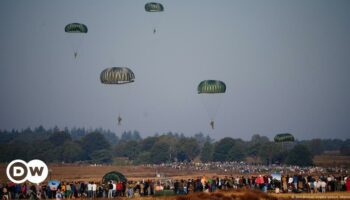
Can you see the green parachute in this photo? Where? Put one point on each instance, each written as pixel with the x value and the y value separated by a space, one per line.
pixel 75 32
pixel 211 87
pixel 117 75
pixel 113 176
pixel 154 7
pixel 76 28
pixel 211 92
pixel 284 137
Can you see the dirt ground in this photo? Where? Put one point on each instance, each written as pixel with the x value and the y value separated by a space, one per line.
pixel 333 160
pixel 69 172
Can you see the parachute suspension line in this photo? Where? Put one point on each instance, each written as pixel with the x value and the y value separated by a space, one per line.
pixel 211 93
pixel 212 104
pixel 118 77
pixel 121 107
pixel 75 35
pixel 154 9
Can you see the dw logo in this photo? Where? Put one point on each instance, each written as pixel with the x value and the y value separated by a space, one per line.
pixel 35 171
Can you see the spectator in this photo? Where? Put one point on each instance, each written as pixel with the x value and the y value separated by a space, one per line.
pixel 59 195
pixel 110 190
pixel 94 189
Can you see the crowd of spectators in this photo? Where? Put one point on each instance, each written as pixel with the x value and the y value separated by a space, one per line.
pixel 296 183
pixel 246 168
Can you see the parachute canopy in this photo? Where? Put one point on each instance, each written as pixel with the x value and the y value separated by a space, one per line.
pixel 117 75
pixel 53 184
pixel 76 28
pixel 276 176
pixel 113 176
pixel 154 7
pixel 284 137
pixel 211 87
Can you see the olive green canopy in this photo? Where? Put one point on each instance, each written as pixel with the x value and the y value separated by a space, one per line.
pixel 117 75
pixel 76 28
pixel 154 7
pixel 113 176
pixel 211 87
pixel 284 137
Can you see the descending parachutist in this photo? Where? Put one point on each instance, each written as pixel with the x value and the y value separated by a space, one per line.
pixel 73 29
pixel 119 120
pixel 154 31
pixel 212 124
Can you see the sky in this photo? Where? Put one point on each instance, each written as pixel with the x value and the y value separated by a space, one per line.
pixel 285 64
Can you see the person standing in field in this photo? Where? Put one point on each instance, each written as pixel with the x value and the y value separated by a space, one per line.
pixel 119 189
pixel 59 195
pixel 94 189
pixel 130 186
pixel 110 190
pixel 347 184
pixel 5 194
pixel 68 191
pixel 74 190
pixel 89 188
pixel 142 188
pixel 284 183
pixel 82 189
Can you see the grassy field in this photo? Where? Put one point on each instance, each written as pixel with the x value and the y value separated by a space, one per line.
pixel 334 160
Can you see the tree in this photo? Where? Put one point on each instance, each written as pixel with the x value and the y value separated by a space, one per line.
pixel 222 148
pixel 269 152
pixel 101 156
pixel 160 153
pixel 72 152
pixel 201 139
pixel 143 158
pixel 299 155
pixel 58 138
pixel 171 140
pixel 78 133
pixel 187 149
pixel 44 150
pixel 94 141
pixel 128 149
pixel 345 148
pixel 253 149
pixel 257 139
pixel 315 146
pixel 207 152
pixel 111 138
pixel 40 129
pixel 129 136
pixel 236 153
pixel 147 143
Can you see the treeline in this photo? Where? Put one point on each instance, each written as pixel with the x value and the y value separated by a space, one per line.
pixel 103 146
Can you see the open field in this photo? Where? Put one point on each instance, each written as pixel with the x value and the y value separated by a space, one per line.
pixel 70 172
pixel 86 172
pixel 334 160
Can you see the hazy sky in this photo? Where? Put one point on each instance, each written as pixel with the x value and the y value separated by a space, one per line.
pixel 286 65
